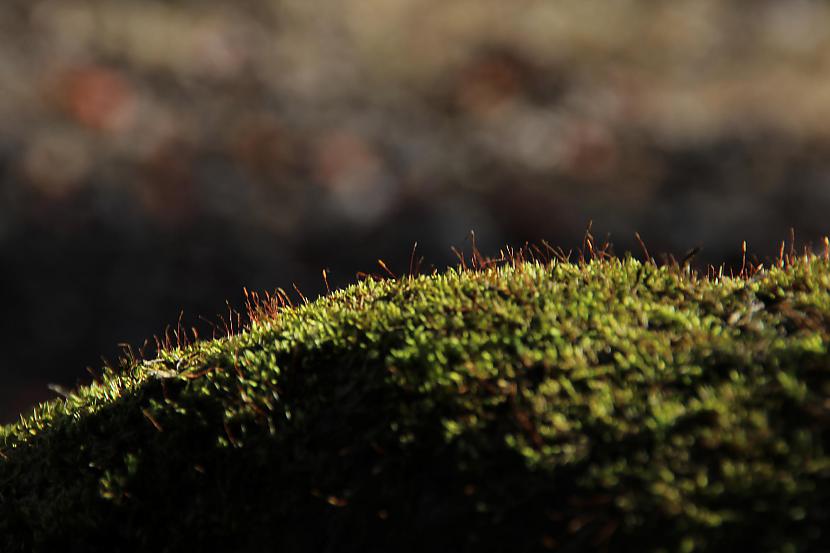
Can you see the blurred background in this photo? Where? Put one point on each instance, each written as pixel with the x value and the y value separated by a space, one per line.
pixel 157 156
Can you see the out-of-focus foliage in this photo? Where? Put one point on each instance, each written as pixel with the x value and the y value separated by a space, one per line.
pixel 158 155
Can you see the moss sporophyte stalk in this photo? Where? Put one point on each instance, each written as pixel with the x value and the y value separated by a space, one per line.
pixel 608 405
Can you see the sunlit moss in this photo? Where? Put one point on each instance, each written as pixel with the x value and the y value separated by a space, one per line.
pixel 613 405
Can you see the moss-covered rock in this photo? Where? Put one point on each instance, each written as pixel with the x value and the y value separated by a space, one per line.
pixel 610 405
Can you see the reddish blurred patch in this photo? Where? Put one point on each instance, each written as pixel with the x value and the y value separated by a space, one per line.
pixel 592 152
pixel 354 174
pixel 489 81
pixel 97 97
pixel 343 158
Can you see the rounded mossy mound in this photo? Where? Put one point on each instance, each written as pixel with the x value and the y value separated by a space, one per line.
pixel 611 406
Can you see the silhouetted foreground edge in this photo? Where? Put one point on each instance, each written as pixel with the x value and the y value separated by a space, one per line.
pixel 612 405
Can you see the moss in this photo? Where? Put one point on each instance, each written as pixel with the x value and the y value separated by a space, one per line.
pixel 610 405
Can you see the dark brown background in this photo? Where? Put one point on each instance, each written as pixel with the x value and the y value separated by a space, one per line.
pixel 157 156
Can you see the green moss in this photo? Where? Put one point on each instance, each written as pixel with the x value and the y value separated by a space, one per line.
pixel 611 405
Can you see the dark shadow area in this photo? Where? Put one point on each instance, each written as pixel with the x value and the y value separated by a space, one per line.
pixel 158 156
